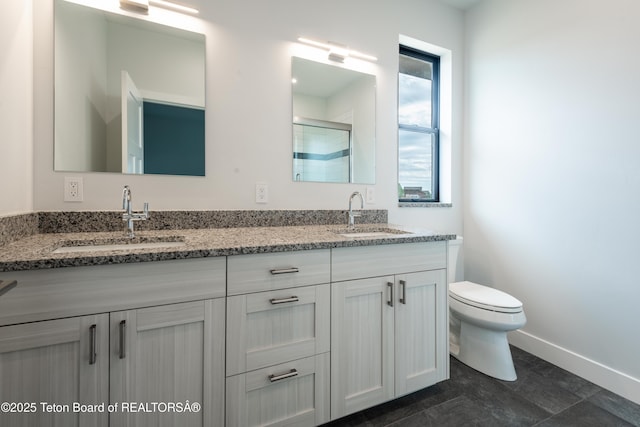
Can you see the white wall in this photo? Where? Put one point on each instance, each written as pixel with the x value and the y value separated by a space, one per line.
pixel 552 183
pixel 248 95
pixel 16 102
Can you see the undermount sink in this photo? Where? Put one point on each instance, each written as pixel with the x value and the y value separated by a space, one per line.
pixel 368 233
pixel 105 245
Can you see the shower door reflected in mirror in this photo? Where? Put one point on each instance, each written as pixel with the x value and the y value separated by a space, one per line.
pixel 333 123
pixel 321 151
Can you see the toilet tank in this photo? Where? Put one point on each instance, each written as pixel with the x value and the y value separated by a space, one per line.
pixel 455 260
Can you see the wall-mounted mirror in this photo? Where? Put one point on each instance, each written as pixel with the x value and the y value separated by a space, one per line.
pixel 334 121
pixel 129 94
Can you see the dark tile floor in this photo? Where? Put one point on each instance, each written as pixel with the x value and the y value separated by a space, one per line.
pixel 544 395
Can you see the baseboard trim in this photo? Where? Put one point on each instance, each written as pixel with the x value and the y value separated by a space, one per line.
pixel 604 376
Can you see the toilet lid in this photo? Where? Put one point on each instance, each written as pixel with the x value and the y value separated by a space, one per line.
pixel 484 297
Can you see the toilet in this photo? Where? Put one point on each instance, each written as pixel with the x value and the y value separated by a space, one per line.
pixel 479 319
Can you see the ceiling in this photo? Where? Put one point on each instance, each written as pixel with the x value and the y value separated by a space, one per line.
pixel 460 4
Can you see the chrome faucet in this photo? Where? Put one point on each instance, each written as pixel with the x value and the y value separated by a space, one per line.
pixel 352 214
pixel 130 216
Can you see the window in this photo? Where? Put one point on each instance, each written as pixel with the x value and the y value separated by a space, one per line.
pixel 418 126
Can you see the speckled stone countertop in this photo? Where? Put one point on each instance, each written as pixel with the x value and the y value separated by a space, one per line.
pixel 37 251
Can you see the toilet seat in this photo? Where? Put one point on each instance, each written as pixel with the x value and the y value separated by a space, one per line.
pixel 484 297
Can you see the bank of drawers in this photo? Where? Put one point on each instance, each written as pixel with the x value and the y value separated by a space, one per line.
pixel 278 325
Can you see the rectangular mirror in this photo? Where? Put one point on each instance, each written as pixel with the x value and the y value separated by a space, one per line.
pixel 333 123
pixel 129 94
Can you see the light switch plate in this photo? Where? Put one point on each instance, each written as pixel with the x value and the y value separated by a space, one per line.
pixel 370 195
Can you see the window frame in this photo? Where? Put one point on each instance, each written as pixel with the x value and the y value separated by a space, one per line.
pixel 434 130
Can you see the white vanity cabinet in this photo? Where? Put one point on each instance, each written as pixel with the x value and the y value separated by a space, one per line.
pixel 388 322
pixel 158 339
pixel 278 337
pixel 282 338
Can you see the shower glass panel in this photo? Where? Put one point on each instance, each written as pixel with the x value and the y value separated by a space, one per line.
pixel 321 151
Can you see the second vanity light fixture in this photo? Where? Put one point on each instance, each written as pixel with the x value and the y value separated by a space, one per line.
pixel 143 6
pixel 337 52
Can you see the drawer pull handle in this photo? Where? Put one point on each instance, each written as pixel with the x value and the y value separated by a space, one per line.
pixel 291 373
pixel 292 298
pixel 390 300
pixel 403 286
pixel 92 345
pixel 6 286
pixel 284 270
pixel 123 341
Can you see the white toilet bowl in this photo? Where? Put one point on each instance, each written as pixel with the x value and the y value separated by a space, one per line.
pixel 479 319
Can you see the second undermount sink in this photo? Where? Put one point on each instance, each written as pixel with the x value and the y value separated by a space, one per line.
pixel 370 233
pixel 105 245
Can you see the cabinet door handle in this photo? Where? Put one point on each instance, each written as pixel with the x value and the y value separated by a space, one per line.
pixel 292 298
pixel 292 373
pixel 123 339
pixel 390 300
pixel 6 286
pixel 284 270
pixel 92 345
pixel 403 287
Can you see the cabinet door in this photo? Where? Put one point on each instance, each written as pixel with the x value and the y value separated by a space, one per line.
pixel 165 355
pixel 61 362
pixel 362 356
pixel 290 394
pixel 420 330
pixel 267 328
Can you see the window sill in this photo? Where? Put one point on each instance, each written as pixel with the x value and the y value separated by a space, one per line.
pixel 424 205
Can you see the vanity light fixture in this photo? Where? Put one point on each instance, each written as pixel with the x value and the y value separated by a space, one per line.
pixel 142 6
pixel 337 52
pixel 174 6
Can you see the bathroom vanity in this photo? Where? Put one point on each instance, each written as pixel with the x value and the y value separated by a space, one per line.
pixel 246 326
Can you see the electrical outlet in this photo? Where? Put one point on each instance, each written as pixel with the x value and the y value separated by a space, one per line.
pixel 73 189
pixel 262 192
pixel 370 195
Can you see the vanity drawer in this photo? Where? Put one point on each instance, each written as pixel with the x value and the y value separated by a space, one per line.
pixel 293 393
pixel 265 272
pixel 382 260
pixel 77 291
pixel 267 328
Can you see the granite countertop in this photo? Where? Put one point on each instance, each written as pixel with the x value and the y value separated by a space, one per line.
pixel 36 252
